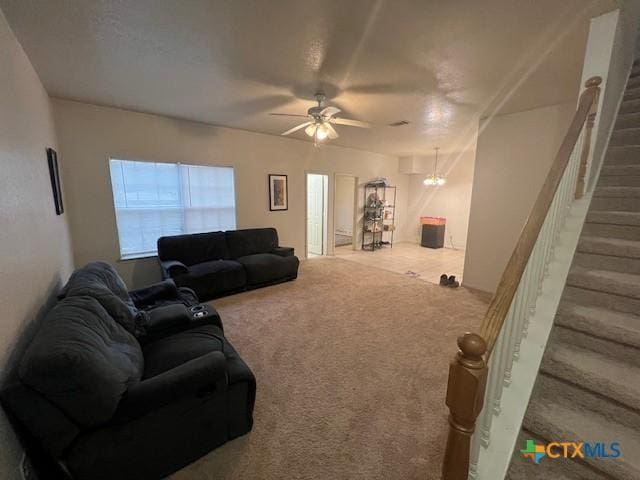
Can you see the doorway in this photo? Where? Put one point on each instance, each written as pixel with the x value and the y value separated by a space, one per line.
pixel 344 211
pixel 317 199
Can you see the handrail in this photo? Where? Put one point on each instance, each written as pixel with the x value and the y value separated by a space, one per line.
pixel 501 302
pixel 468 371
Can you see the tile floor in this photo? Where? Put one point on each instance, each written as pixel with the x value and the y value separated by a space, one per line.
pixel 410 259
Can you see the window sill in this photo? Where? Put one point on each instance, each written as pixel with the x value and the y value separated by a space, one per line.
pixel 137 256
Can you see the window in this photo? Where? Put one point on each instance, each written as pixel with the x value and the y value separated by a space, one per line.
pixel 158 199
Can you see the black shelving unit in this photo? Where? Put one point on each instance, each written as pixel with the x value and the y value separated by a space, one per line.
pixel 378 221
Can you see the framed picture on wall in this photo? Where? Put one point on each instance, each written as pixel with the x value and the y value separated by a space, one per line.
pixel 54 174
pixel 278 192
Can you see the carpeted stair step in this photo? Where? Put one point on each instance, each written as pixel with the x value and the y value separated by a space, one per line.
pixel 629 120
pixel 550 385
pixel 613 224
pixel 623 155
pixel 634 81
pixel 623 354
pixel 617 225
pixel 631 93
pixel 626 136
pixel 630 106
pixel 619 181
pixel 614 283
pixel 606 262
pixel 617 192
pixel 614 218
pixel 616 327
pixel 622 204
pixel 620 170
pixel 593 298
pixel 556 418
pixel 609 246
pixel 596 372
pixel 623 232
pixel 522 468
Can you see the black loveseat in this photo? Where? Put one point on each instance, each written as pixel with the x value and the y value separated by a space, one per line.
pixel 107 390
pixel 215 264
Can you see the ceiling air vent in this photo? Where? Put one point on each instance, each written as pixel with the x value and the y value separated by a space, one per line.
pixel 399 123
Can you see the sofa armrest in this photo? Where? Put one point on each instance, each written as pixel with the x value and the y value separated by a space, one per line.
pixel 173 268
pixel 167 318
pixel 146 296
pixel 199 377
pixel 283 251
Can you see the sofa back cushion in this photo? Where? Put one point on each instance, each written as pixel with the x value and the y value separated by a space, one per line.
pixel 251 241
pixel 193 248
pixel 102 282
pixel 82 361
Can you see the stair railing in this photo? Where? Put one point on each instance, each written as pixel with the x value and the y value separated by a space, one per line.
pixel 482 367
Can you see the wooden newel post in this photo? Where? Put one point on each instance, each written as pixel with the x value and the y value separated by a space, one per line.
pixel 593 82
pixel 465 395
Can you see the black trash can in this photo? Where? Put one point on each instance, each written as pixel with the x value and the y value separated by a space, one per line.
pixel 433 231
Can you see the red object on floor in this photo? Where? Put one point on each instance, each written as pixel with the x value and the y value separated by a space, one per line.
pixel 433 220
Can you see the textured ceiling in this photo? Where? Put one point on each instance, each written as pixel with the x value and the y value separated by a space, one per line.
pixel 439 65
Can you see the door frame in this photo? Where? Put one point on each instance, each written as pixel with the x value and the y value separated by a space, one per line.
pixel 326 222
pixel 354 219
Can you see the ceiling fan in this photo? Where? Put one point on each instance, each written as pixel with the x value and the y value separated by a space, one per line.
pixel 322 119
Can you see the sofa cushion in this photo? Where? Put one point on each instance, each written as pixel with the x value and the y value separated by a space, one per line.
pixel 193 248
pixel 102 282
pixel 267 267
pixel 211 279
pixel 250 241
pixel 82 360
pixel 170 352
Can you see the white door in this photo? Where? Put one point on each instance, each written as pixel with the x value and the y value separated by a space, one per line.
pixel 315 213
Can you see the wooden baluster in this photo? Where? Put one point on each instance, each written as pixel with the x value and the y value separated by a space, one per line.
pixel 586 146
pixel 465 394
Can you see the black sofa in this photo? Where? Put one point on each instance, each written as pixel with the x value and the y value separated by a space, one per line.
pixel 107 390
pixel 215 264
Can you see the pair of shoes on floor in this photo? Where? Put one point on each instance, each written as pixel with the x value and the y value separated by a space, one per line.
pixel 450 281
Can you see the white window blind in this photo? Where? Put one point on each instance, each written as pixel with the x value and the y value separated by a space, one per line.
pixel 158 199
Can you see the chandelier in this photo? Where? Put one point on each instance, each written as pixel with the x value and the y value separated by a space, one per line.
pixel 434 179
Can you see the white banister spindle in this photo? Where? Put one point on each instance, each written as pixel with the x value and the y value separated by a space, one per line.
pixel 535 260
pixel 514 334
pixel 554 230
pixel 487 412
pixel 547 247
pixel 521 331
pixel 505 356
pixel 527 299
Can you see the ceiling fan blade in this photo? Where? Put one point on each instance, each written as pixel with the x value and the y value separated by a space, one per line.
pixel 288 115
pixel 350 123
pixel 296 128
pixel 332 131
pixel 329 112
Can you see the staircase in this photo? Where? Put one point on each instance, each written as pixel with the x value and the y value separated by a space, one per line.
pixel 588 388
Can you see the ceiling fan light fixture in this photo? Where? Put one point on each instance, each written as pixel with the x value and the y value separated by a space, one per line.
pixel 321 121
pixel 322 132
pixel 311 130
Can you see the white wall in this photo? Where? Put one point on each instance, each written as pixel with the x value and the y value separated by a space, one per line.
pixel 452 200
pixel 35 256
pixel 89 135
pixel 513 156
pixel 610 52
pixel 344 208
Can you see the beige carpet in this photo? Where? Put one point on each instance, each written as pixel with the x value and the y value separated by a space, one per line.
pixel 351 363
